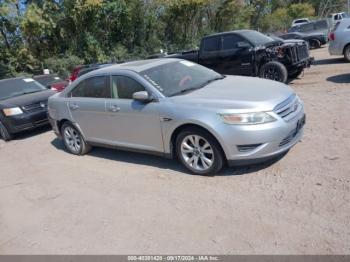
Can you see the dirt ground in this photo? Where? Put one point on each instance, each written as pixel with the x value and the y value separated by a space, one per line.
pixel 113 202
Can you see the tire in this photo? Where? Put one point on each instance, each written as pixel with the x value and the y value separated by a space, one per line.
pixel 315 43
pixel 193 145
pixel 347 53
pixel 4 133
pixel 73 140
pixel 274 71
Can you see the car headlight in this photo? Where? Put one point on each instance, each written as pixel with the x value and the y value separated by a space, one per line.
pixel 247 118
pixel 12 111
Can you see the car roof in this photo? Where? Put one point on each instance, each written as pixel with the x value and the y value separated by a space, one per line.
pixel 136 66
pixel 230 32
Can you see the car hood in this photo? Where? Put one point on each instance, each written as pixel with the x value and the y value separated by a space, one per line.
pixel 27 99
pixel 238 92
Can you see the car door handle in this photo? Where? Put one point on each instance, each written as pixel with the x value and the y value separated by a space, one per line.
pixel 114 108
pixel 74 107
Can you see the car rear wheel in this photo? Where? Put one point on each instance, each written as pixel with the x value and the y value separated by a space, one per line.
pixel 199 152
pixel 4 133
pixel 274 71
pixel 347 53
pixel 73 140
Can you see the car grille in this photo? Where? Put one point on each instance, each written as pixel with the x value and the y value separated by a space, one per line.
pixel 288 138
pixel 35 107
pixel 289 108
pixel 303 52
pixel 299 53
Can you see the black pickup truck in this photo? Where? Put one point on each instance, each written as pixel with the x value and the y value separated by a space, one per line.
pixel 248 52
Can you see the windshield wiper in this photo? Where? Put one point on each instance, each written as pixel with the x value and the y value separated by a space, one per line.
pixel 31 92
pixel 198 87
pixel 19 94
pixel 212 80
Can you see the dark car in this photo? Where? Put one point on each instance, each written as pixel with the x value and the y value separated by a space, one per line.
pixel 315 40
pixel 52 81
pixel 23 105
pixel 250 53
pixel 84 69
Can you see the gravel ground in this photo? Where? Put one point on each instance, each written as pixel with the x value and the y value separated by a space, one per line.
pixel 113 202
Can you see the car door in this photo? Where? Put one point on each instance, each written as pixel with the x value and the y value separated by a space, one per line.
pixel 209 52
pixel 235 55
pixel 134 124
pixel 87 105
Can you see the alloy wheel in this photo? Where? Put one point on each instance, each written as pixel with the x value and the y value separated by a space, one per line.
pixel 197 152
pixel 72 139
pixel 272 74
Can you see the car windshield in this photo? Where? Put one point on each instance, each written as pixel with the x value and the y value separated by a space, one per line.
pixel 179 77
pixel 19 86
pixel 257 38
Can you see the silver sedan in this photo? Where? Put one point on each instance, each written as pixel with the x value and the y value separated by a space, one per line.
pixel 173 107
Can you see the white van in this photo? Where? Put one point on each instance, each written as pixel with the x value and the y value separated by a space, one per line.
pixel 337 17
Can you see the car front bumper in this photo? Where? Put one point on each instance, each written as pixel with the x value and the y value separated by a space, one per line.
pixel 257 143
pixel 26 121
pixel 55 127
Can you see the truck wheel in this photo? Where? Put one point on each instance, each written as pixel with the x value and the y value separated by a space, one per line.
pixel 347 53
pixel 314 43
pixel 274 71
pixel 4 133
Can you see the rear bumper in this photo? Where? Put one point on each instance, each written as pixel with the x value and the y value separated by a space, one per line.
pixel 335 48
pixel 26 121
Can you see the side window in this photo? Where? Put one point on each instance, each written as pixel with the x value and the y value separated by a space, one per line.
pixel 95 87
pixel 230 41
pixel 212 44
pixel 124 87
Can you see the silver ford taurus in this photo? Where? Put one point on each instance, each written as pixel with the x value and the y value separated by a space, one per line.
pixel 173 107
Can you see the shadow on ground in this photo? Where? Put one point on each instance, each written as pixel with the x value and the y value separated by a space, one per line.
pixel 330 61
pixel 339 79
pixel 163 163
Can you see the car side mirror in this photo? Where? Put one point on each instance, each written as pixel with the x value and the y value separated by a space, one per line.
pixel 142 96
pixel 243 45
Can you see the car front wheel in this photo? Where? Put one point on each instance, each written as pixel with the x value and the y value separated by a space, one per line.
pixel 274 71
pixel 73 140
pixel 4 133
pixel 199 152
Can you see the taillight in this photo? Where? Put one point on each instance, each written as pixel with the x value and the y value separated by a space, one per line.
pixel 331 36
